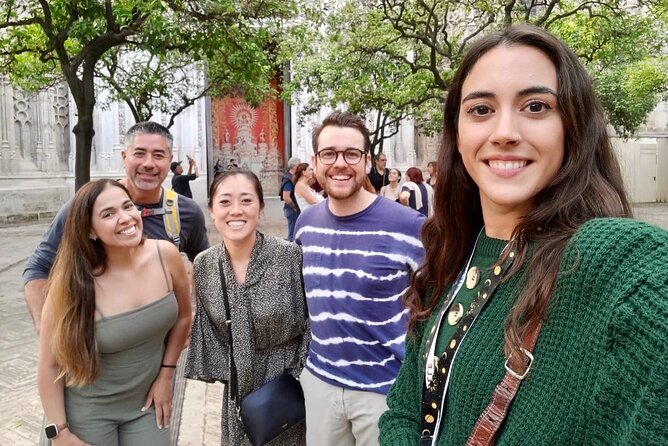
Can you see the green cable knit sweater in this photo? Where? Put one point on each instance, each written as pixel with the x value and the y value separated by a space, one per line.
pixel 600 375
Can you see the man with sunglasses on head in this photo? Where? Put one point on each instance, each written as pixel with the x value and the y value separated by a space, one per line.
pixel 359 252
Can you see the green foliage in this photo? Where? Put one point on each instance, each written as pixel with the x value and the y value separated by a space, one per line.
pixel 150 52
pixel 397 57
pixel 169 73
pixel 629 93
pixel 623 55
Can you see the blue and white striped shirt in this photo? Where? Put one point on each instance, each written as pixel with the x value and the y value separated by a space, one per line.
pixel 356 271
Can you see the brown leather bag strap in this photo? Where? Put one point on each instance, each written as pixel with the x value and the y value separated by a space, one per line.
pixel 486 428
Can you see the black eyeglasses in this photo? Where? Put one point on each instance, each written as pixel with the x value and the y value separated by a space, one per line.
pixel 350 156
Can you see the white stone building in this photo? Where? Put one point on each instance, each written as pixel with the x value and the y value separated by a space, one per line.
pixel 37 149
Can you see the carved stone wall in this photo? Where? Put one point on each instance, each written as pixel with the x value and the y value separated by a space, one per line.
pixel 37 146
pixel 34 148
pixel 61 102
pixel 7 141
pixel 34 130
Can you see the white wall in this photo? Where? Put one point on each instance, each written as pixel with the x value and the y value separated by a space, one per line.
pixel 638 160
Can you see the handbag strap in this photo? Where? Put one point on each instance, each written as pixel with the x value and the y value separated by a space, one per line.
pixel 487 427
pixel 233 383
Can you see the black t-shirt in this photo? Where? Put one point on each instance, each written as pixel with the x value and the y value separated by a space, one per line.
pixel 378 180
pixel 288 185
pixel 181 184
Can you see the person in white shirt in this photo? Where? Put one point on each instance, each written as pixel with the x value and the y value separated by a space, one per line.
pixel 303 178
pixel 392 190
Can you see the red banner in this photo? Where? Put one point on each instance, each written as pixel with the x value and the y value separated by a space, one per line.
pixel 249 137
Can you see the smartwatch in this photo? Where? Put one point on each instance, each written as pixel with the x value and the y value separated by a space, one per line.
pixel 52 430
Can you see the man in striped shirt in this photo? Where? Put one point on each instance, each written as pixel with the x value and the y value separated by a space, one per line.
pixel 359 252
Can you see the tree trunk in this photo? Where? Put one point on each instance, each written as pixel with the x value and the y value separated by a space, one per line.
pixel 83 134
pixel 133 110
pixel 381 140
pixel 83 92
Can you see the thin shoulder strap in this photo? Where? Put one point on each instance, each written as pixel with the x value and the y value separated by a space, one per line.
pixel 162 264
pixel 234 383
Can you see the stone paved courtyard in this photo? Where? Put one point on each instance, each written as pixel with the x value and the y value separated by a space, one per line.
pixel 20 410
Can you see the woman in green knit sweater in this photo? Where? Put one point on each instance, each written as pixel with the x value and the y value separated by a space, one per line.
pixel 532 238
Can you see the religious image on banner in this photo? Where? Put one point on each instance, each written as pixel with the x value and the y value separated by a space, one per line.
pixel 248 137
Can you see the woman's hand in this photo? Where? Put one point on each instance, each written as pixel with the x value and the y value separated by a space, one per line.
pixel 67 438
pixel 160 395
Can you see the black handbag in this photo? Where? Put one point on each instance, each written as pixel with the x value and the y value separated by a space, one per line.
pixel 271 409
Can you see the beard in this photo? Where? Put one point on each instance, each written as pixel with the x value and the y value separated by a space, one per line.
pixel 337 191
pixel 145 184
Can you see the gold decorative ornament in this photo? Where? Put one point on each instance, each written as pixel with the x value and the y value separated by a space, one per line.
pixel 455 314
pixel 472 277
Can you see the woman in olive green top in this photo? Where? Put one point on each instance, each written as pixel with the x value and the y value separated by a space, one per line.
pixel 114 323
pixel 522 243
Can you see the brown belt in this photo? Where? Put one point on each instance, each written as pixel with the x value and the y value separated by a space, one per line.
pixel 487 427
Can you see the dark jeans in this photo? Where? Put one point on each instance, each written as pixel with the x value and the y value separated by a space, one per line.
pixel 290 215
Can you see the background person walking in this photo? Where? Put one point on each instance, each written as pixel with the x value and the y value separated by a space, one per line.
pixel 417 194
pixel 392 190
pixel 181 182
pixel 378 174
pixel 287 193
pixel 304 194
pixel 432 170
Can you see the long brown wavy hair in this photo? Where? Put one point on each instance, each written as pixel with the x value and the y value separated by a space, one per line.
pixel 72 288
pixel 587 185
